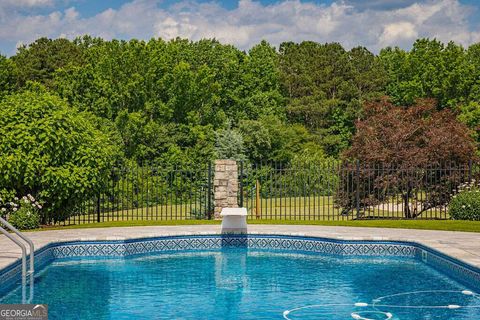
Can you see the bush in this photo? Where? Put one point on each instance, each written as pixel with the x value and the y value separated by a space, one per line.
pixel 25 218
pixel 466 205
pixel 23 214
pixel 51 151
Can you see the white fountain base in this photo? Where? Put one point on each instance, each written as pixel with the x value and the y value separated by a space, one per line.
pixel 234 220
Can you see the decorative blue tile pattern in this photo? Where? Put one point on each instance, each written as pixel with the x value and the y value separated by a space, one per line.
pixel 456 270
pixel 121 248
pixel 326 246
pixel 142 246
pixel 89 250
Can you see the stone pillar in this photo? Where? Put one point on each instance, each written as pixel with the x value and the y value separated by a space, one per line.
pixel 225 185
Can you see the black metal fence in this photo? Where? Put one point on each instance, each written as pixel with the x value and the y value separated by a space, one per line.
pixel 151 193
pixel 331 190
pixel 351 190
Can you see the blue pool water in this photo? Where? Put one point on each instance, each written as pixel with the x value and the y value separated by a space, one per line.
pixel 240 283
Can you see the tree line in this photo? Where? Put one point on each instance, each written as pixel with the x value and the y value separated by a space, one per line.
pixel 183 102
pixel 70 110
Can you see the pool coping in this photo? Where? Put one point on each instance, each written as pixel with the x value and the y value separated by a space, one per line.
pixel 447 264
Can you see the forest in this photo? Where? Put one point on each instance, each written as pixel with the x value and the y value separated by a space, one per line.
pixel 70 110
pixel 182 102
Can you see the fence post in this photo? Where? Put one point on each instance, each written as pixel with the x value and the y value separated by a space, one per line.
pixel 257 199
pixel 357 195
pixel 469 171
pixel 209 198
pixel 241 184
pixel 98 208
pixel 225 186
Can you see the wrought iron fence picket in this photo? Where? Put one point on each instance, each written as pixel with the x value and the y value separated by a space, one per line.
pixel 330 190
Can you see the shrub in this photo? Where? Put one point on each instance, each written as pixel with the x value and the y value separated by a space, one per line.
pixel 23 214
pixel 51 151
pixel 25 219
pixel 466 204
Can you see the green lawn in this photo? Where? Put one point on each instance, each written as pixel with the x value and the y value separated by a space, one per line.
pixel 452 225
pixel 289 208
pixel 322 208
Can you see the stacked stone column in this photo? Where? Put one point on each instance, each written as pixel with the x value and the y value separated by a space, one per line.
pixel 225 185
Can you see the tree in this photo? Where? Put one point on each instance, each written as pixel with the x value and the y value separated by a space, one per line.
pixel 369 75
pixel 39 60
pixel 7 76
pixel 262 95
pixel 408 144
pixel 430 70
pixel 167 98
pixel 112 78
pixel 473 72
pixel 229 144
pixel 51 151
pixel 470 115
pixel 326 86
pixel 269 139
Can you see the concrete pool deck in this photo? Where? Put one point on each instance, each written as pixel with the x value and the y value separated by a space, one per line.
pixel 464 246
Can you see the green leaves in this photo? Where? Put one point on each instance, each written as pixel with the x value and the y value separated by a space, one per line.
pixel 327 86
pixel 39 60
pixel 50 149
pixel 466 205
pixel 229 144
pixel 8 75
pixel 169 101
pixel 430 70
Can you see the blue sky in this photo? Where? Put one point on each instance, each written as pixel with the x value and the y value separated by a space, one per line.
pixel 371 23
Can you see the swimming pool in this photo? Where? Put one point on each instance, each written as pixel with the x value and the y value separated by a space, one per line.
pixel 248 277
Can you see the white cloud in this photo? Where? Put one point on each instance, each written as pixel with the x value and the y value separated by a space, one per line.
pixel 250 22
pixel 71 14
pixel 397 32
pixel 26 3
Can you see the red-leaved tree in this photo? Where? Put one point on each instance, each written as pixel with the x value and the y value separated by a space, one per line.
pixel 406 152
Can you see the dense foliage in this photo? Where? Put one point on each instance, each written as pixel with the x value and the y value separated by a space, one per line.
pixel 466 204
pixel 22 213
pixel 325 87
pixel 168 101
pixel 183 103
pixel 51 151
pixel 448 73
pixel 25 219
pixel 411 137
pixel 409 145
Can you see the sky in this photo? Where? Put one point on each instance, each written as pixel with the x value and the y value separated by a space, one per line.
pixel 371 23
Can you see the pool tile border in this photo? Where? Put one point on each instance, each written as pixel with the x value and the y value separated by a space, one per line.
pixel 460 271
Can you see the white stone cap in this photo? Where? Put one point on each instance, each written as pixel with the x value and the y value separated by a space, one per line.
pixel 233 212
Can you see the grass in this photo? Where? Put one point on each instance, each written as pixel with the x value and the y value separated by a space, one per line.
pixel 322 208
pixel 450 225
pixel 295 208
pixel 446 225
pixel 311 210
pixel 129 223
